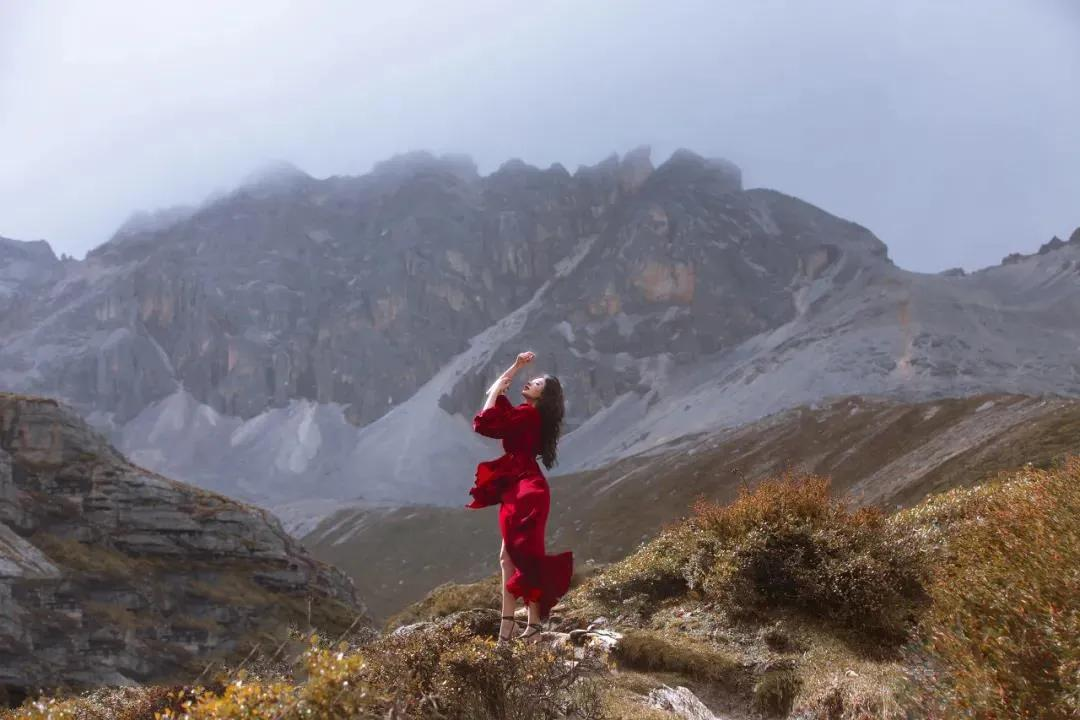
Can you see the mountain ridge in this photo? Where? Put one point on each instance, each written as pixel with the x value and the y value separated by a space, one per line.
pixel 298 335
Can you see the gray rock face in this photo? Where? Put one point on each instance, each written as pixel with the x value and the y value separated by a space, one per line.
pixel 111 573
pixel 348 290
pixel 304 339
pixel 682 702
pixel 25 269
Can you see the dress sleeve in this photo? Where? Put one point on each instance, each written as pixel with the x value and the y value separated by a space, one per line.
pixel 499 420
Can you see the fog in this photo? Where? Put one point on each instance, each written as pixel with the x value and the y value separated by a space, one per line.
pixel 947 128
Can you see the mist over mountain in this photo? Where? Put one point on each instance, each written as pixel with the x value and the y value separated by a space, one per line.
pixel 306 339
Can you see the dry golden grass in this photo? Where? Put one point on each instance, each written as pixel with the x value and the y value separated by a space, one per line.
pixel 129 703
pixel 840 684
pixel 784 545
pixel 651 651
pixel 448 674
pixel 775 690
pixel 788 544
pixel 93 559
pixel 655 572
pixel 1004 626
pixel 980 583
pixel 450 598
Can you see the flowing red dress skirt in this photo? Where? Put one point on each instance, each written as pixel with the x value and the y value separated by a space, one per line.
pixel 515 481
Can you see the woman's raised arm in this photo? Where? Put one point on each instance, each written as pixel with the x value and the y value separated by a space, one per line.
pixel 503 383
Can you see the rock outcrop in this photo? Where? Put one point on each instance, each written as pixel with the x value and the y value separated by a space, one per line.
pixel 682 702
pixel 110 573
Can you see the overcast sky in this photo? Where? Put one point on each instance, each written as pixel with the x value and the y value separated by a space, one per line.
pixel 949 128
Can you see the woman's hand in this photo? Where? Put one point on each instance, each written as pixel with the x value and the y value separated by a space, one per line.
pixel 501 385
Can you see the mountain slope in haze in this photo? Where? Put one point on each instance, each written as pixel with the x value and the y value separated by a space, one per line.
pixel 303 339
pixel 881 451
pixel 111 574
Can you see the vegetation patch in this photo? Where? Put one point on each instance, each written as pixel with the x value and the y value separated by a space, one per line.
pixel 446 673
pixel 127 703
pixel 450 598
pixel 785 545
pixel 1004 626
pixel 654 573
pixel 774 692
pixel 94 559
pixel 440 673
pixel 652 652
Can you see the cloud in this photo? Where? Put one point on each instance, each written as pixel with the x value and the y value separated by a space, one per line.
pixel 947 128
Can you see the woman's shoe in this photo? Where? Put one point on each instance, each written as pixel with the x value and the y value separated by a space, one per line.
pixel 509 637
pixel 531 631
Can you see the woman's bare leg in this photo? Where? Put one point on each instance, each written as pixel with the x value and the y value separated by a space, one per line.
pixel 509 602
pixel 534 619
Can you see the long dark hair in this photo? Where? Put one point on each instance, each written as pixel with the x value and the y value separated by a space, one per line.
pixel 551 407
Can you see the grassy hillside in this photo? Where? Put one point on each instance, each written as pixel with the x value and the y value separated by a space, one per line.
pixel 787 602
pixel 961 606
pixel 880 451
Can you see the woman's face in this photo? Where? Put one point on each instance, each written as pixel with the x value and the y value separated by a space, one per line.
pixel 533 389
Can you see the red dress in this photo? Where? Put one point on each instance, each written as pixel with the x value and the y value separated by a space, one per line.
pixel 514 479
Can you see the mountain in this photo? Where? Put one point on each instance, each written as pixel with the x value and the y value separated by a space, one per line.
pixel 26 268
pixel 300 342
pixel 876 451
pixel 111 574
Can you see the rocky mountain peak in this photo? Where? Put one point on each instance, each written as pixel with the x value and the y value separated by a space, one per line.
pixel 25 268
pixel 143 221
pixel 404 165
pixel 688 168
pixel 1055 243
pixel 277 174
pixel 515 165
pixel 301 338
pixel 635 168
pixel 609 165
pixel 39 251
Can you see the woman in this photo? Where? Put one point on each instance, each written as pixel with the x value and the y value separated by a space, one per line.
pixel 516 482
